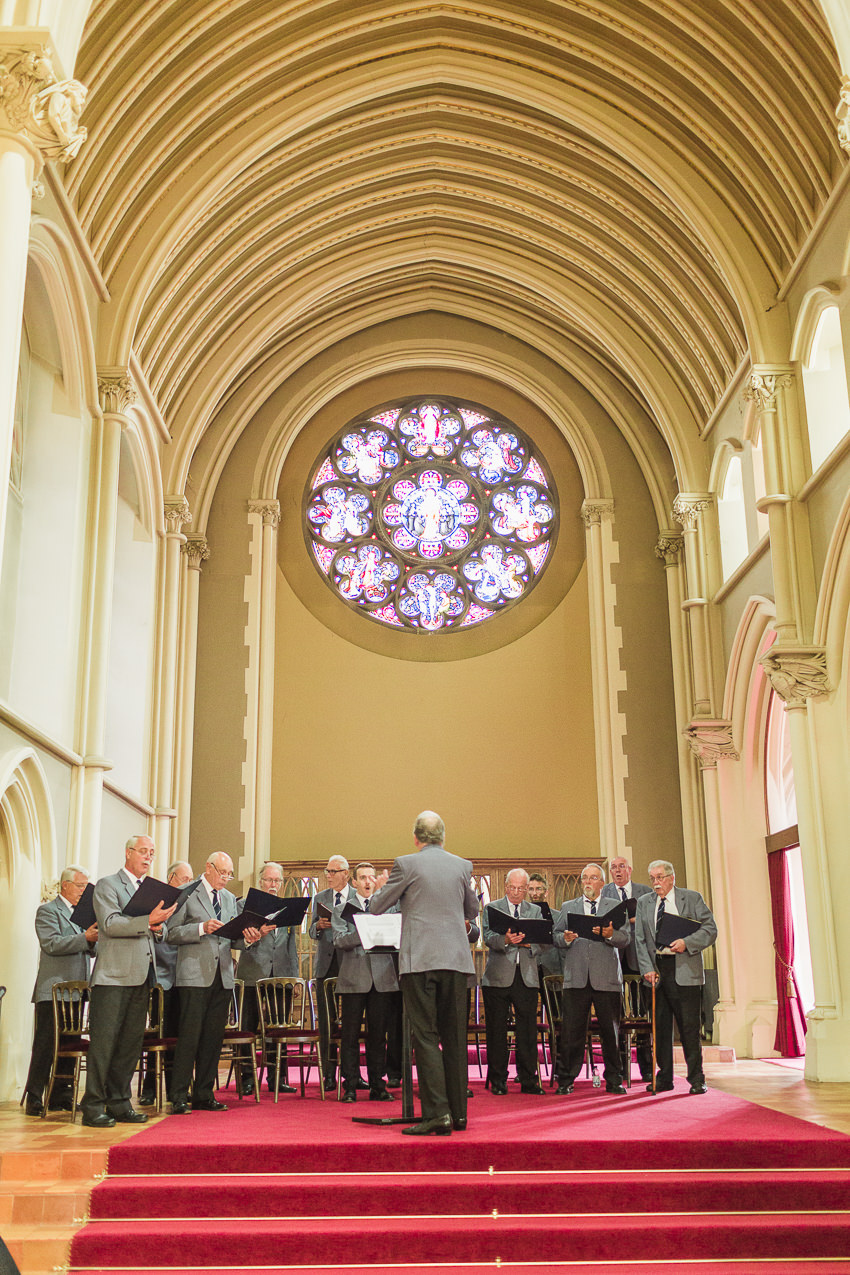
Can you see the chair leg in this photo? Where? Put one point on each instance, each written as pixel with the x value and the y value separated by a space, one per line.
pixel 78 1062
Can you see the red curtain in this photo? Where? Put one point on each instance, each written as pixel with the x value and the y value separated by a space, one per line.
pixel 790 1019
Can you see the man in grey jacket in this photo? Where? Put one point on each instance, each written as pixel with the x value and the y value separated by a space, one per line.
pixel 511 981
pixel 273 955
pixel 436 898
pixel 365 982
pixel 66 953
pixel 123 974
pixel 326 958
pixel 592 977
pixel 622 887
pixel 676 970
pixel 179 874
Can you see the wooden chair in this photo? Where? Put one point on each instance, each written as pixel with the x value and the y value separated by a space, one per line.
pixel 70 1036
pixel 155 1045
pixel 635 1020
pixel 475 1030
pixel 288 1021
pixel 333 1011
pixel 239 1045
pixel 553 986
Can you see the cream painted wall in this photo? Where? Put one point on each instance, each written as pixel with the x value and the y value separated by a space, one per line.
pixel 500 744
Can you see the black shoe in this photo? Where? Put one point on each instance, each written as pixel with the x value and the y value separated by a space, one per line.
pixel 180 1108
pixel 381 1095
pixel 283 1087
pixel 102 1121
pixel 498 1091
pixel 131 1117
pixel 459 1124
pixel 61 1104
pixel 703 1088
pixel 330 1083
pixel 360 1083
pixel 659 1088
pixel 209 1104
pixel 34 1106
pixel 147 1098
pixel 393 1082
pixel 470 1094
pixel 439 1125
pixel 565 1088
pixel 247 1083
pixel 615 1089
pixel 538 1089
pixel 349 1094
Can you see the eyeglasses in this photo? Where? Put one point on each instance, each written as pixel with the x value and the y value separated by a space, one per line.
pixel 664 877
pixel 335 872
pixel 225 876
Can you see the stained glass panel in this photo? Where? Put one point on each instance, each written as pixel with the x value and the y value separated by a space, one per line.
pixel 431 515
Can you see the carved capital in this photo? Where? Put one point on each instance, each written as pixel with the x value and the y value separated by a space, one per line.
pixel 711 742
pixel 796 673
pixel 593 511
pixel 687 508
pixel 44 109
pixel 765 384
pixel 117 392
pixel 177 514
pixel 268 510
pixel 197 550
pixel 669 546
pixel 843 114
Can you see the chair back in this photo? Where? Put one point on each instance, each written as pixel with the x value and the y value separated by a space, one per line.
pixel 553 986
pixel 285 1003
pixel 635 1008
pixel 332 1005
pixel 70 1009
pixel 237 1000
pixel 156 1011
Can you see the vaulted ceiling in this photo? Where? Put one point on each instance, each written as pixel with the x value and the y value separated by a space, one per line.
pixel 634 179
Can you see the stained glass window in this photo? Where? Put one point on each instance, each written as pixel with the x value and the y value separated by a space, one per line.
pixel 432 515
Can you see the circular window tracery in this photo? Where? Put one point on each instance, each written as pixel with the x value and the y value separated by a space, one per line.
pixel 432 515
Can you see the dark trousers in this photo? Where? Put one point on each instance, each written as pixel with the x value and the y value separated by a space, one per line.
pixel 203 1018
pixel 117 1017
pixel 684 1004
pixel 42 1057
pixel 394 1033
pixel 327 1050
pixel 435 1001
pixel 354 1004
pixel 575 1016
pixel 170 1028
pixel 497 1004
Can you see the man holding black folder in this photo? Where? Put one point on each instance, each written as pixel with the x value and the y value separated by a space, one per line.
pixel 674 965
pixel 273 955
pixel 326 958
pixel 511 981
pixel 124 971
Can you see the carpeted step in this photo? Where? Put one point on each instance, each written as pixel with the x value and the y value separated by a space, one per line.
pixel 781 1266
pixel 301 1195
pixel 535 1239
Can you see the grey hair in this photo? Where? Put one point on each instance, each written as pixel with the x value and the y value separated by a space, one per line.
pixel 598 867
pixel 341 860
pixel 513 872
pixel 130 844
pixel 178 863
pixel 71 871
pixel 662 863
pixel 429 829
pixel 270 863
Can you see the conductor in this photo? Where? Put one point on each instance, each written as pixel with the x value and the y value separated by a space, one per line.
pixel 437 902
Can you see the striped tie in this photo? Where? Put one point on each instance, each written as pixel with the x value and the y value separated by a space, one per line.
pixel 216 904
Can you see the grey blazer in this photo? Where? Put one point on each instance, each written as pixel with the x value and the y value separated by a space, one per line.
pixel 125 944
pixel 689 971
pixel 359 970
pixel 199 956
pixel 324 938
pixel 435 896
pixel 166 964
pixel 274 956
pixel 585 960
pixel 501 966
pixel 65 952
pixel 610 891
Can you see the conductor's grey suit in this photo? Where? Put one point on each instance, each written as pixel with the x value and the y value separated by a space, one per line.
pixel 435 896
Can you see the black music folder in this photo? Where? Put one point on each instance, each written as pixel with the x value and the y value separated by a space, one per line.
pixel 290 912
pixel 151 892
pixel 584 925
pixel 83 914
pixel 675 927
pixel 323 912
pixel 235 928
pixel 262 902
pixel 545 909
pixel 536 929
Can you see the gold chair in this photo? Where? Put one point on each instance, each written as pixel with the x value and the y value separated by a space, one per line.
pixel 635 1020
pixel 333 1012
pixel 155 1044
pixel 70 1036
pixel 288 1019
pixel 238 1044
pixel 553 986
pixel 475 1029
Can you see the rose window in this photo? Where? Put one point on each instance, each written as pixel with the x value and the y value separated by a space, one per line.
pixel 431 516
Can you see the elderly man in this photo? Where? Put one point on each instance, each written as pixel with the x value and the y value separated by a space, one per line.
pixel 366 981
pixel 66 953
pixel 273 955
pixel 511 981
pixel 178 875
pixel 592 977
pixel 205 978
pixel 434 891
pixel 676 970
pixel 326 959
pixel 622 887
pixel 124 971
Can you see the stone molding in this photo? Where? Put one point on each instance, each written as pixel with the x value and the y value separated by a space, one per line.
pixel 43 109
pixel 268 510
pixel 711 742
pixel 669 546
pixel 593 511
pixel 177 513
pixel 842 112
pixel 764 385
pixel 687 508
pixel 796 673
pixel 197 550
pixel 117 392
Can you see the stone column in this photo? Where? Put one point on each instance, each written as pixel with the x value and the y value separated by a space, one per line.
pixel 117 394
pixel 263 521
pixel 608 678
pixel 195 551
pixel 177 515
pixel 687 510
pixel 39 121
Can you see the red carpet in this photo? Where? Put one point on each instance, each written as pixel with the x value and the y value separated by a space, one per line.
pixel 534 1182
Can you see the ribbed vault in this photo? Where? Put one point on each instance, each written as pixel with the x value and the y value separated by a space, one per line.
pixel 628 176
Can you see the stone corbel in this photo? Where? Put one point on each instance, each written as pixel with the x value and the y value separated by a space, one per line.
pixel 687 508
pixel 268 510
pixel 668 547
pixel 593 511
pixel 177 514
pixel 764 385
pixel 197 550
pixel 40 107
pixel 797 673
pixel 711 742
pixel 116 390
pixel 843 114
